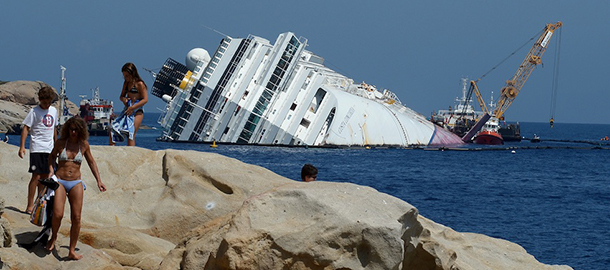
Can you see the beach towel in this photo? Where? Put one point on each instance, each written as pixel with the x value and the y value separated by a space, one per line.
pixel 122 127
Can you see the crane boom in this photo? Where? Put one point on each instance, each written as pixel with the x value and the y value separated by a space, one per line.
pixel 513 86
pixel 475 89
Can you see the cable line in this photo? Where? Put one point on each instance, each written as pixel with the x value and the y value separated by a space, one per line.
pixel 513 53
pixel 555 84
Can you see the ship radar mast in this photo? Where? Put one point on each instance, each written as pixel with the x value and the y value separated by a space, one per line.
pixel 63 114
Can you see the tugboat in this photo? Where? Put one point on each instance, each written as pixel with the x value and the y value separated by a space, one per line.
pixel 97 113
pixel 488 134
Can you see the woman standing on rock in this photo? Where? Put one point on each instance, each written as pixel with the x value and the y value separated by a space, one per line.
pixel 70 149
pixel 133 96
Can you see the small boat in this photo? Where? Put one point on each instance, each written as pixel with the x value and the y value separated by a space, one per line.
pixel 489 134
pixel 97 113
pixel 535 139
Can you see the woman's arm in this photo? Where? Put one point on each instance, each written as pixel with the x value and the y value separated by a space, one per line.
pixel 123 98
pixel 53 157
pixel 93 167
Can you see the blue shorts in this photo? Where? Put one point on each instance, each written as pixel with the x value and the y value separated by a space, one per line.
pixel 39 163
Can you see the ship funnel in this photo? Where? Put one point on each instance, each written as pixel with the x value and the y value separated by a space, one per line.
pixel 166 98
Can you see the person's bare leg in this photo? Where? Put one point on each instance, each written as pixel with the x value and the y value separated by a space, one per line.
pixel 32 186
pixel 76 206
pixel 137 121
pixel 110 142
pixel 58 214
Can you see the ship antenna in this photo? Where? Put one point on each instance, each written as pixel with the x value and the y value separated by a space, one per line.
pixel 152 73
pixel 216 31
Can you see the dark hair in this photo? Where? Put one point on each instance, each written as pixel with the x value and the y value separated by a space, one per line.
pixel 308 170
pixel 46 92
pixel 79 124
pixel 132 70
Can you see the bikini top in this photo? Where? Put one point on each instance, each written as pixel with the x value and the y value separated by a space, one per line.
pixel 64 155
pixel 134 90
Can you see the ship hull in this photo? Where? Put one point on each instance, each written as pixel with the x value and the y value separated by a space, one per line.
pixel 510 133
pixel 489 138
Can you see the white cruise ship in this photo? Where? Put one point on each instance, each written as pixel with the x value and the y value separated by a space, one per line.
pixel 250 91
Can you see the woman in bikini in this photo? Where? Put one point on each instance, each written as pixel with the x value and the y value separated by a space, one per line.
pixel 134 97
pixel 69 151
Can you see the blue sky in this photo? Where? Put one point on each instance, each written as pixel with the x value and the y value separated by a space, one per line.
pixel 418 49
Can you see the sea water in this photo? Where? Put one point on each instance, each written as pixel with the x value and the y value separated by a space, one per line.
pixel 552 197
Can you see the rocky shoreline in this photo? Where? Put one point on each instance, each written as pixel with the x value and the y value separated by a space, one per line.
pixel 171 209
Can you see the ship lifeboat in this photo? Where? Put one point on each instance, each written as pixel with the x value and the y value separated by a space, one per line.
pixel 489 137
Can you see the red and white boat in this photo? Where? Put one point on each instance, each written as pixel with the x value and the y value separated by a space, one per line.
pixel 489 133
pixel 489 137
pixel 97 113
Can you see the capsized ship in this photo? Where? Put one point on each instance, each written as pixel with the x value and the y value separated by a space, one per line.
pixel 250 91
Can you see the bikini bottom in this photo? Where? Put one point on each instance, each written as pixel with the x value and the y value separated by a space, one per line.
pixel 69 184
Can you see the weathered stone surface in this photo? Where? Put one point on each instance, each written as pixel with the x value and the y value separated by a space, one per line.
pixel 6 233
pixel 304 226
pixel 224 214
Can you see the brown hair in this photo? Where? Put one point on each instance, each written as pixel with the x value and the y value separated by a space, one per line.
pixel 79 124
pixel 133 71
pixel 308 170
pixel 46 92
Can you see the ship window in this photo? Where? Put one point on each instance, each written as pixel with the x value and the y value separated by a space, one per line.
pixel 289 116
pixel 278 72
pixel 305 123
pixel 226 130
pixel 282 64
pixel 293 106
pixel 275 79
pixel 271 86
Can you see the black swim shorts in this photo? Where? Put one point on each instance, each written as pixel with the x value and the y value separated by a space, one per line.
pixel 39 163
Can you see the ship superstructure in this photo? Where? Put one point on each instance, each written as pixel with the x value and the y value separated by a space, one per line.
pixel 462 116
pixel 250 91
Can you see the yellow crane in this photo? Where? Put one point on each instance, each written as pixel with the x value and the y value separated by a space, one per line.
pixel 510 91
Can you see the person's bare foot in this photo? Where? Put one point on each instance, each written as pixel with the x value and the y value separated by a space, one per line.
pixel 74 256
pixel 50 246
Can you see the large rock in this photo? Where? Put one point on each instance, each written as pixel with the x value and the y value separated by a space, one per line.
pixel 16 100
pixel 191 210
pixel 306 226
